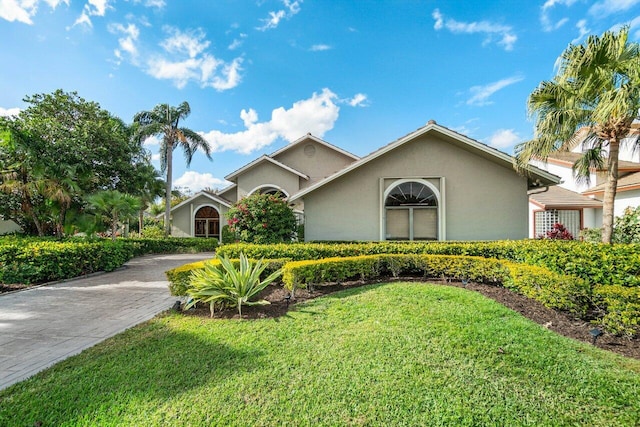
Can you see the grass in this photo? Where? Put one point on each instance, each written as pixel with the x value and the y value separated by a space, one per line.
pixel 395 354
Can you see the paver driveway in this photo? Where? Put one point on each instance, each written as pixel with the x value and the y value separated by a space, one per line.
pixel 42 326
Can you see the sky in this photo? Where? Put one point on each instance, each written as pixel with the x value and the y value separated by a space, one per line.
pixel 259 74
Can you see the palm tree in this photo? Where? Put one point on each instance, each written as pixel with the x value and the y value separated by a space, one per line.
pixel 164 120
pixel 113 206
pixel 592 100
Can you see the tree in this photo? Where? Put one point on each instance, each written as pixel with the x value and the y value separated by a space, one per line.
pixel 592 100
pixel 165 121
pixel 262 218
pixel 57 151
pixel 113 206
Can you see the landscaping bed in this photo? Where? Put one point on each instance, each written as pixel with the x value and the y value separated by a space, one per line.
pixel 557 321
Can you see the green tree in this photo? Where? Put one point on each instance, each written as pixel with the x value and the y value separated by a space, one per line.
pixel 164 121
pixel 262 218
pixel 593 100
pixel 57 151
pixel 113 206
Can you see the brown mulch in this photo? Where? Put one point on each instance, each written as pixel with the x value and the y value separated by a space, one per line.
pixel 559 322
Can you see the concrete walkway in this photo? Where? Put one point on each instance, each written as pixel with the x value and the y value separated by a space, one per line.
pixel 42 326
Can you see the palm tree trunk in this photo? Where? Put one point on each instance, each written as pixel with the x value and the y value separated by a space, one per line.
pixel 610 189
pixel 167 194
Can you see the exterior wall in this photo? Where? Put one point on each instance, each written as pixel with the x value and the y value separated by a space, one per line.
pixel 626 199
pixel 566 174
pixel 231 194
pixel 317 165
pixel 182 218
pixel 8 226
pixel 266 174
pixel 482 200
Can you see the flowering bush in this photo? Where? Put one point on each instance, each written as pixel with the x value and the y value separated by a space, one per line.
pixel 261 218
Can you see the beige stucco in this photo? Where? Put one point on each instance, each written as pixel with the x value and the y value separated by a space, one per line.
pixel 183 216
pixel 267 174
pixel 481 199
pixel 315 160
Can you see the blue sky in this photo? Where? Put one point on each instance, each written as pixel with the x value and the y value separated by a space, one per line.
pixel 261 73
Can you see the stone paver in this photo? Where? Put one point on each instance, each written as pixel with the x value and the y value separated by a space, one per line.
pixel 42 326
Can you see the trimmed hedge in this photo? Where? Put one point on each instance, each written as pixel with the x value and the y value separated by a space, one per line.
pixel 601 279
pixel 36 260
pixel 551 289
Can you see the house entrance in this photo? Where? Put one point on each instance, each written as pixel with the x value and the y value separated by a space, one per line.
pixel 207 222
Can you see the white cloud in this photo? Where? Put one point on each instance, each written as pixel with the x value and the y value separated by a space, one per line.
pixel 24 10
pixel 291 8
pixel 152 3
pixel 186 60
pixel 7 112
pixel 504 32
pixel 320 47
pixel 317 115
pixel 358 100
pixel 504 138
pixel 196 181
pixel 545 20
pixel 480 94
pixel 92 8
pixel 128 42
pixel 605 8
pixel 582 28
pixel 236 43
pixel 151 141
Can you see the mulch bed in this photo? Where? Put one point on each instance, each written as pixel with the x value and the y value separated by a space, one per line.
pixel 559 322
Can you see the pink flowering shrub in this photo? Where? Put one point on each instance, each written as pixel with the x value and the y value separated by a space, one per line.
pixel 261 218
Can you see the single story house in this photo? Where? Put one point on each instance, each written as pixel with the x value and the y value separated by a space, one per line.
pixel 432 184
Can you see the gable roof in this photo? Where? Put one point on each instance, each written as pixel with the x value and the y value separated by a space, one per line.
pixel 560 198
pixel 625 183
pixel 260 160
pixel 308 137
pixel 214 197
pixel 537 177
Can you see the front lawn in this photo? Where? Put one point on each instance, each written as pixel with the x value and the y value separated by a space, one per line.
pixel 394 354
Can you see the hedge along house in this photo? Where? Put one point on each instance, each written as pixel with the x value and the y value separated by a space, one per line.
pixel 432 184
pixel 287 171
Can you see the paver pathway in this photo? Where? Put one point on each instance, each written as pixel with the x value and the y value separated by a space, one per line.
pixel 42 326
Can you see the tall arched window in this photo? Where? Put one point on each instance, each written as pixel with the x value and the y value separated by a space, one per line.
pixel 207 222
pixel 411 212
pixel 270 189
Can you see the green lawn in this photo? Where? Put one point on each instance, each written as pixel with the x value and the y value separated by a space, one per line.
pixel 395 354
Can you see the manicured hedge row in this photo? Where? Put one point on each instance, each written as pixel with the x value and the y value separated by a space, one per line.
pixel 35 260
pixel 550 288
pixel 596 263
pixel 620 306
pixel 179 277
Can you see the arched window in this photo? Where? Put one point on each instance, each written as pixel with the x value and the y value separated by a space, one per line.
pixel 411 212
pixel 207 222
pixel 270 189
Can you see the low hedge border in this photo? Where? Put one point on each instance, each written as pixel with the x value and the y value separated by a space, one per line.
pixel 30 260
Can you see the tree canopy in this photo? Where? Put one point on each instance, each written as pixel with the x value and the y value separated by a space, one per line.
pixel 592 101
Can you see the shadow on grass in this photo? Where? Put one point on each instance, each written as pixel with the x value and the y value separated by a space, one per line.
pixel 151 363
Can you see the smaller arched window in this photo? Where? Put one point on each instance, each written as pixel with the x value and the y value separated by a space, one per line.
pixel 207 222
pixel 273 190
pixel 411 193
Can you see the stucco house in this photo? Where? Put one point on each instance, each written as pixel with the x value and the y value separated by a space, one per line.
pixel 577 204
pixel 432 184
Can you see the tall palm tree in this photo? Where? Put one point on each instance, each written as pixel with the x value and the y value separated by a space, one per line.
pixel 165 120
pixel 592 100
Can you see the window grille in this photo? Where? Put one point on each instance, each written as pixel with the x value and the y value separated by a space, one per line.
pixel 545 220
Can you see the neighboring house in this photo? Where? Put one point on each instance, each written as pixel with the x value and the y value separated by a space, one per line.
pixel 577 204
pixel 432 184
pixel 287 171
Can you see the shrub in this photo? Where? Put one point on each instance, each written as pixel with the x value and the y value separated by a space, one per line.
pixel 626 228
pixel 228 236
pixel 227 286
pixel 559 232
pixel 262 218
pixel 621 308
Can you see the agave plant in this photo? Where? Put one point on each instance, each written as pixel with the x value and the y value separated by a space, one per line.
pixel 226 286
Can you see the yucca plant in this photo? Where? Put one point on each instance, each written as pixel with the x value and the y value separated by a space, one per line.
pixel 227 286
